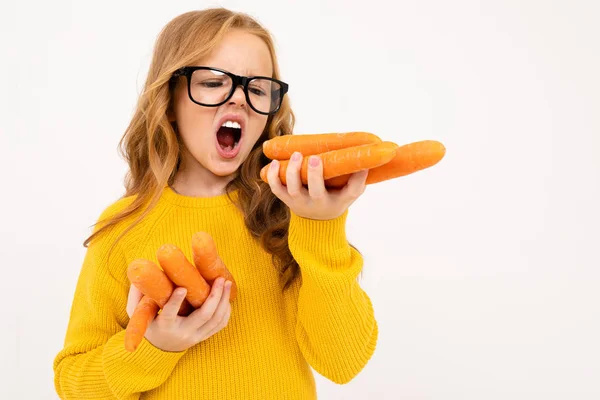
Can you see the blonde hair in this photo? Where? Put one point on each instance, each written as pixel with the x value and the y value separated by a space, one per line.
pixel 152 148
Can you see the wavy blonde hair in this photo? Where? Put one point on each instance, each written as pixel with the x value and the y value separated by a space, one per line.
pixel 152 148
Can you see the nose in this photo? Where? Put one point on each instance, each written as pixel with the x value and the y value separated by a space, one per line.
pixel 238 97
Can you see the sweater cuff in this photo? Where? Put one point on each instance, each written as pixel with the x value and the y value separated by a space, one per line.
pixel 154 362
pixel 323 241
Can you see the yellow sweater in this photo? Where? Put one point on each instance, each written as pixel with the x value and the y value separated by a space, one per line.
pixel 324 321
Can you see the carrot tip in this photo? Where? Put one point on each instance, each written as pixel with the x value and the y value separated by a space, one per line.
pixel 200 234
pixel 167 247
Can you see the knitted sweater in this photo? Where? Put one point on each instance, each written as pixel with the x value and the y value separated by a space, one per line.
pixel 273 338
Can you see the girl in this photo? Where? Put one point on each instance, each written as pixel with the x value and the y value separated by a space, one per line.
pixel 194 148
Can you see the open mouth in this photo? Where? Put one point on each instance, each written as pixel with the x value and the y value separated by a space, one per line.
pixel 229 135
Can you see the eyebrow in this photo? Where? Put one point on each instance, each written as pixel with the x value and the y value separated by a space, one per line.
pixel 246 71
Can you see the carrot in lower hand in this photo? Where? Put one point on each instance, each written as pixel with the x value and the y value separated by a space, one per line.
pixel 282 147
pixel 342 161
pixel 209 263
pixel 141 317
pixel 182 273
pixel 409 158
pixel 154 283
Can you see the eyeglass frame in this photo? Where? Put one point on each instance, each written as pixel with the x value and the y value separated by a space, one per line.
pixel 237 80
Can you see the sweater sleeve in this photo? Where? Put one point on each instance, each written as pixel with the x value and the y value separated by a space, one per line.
pixel 335 327
pixel 93 364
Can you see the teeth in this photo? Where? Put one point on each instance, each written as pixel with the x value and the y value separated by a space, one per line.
pixel 231 124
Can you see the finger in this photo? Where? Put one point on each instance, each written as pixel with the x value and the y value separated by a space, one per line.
pixel 171 309
pixel 277 187
pixel 222 323
pixel 202 315
pixel 316 184
pixel 224 304
pixel 292 175
pixel 220 313
pixel 356 185
pixel 133 298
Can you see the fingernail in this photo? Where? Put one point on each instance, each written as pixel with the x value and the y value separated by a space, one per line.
pixel 228 285
pixel 296 156
pixel 274 164
pixel 313 161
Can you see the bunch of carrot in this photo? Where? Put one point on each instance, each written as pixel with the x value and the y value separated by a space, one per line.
pixel 343 154
pixel 158 283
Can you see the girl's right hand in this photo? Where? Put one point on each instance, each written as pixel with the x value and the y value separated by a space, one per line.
pixel 172 332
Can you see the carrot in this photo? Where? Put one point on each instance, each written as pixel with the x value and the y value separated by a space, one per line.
pixel 409 158
pixel 182 273
pixel 154 283
pixel 342 161
pixel 209 263
pixel 142 316
pixel 282 147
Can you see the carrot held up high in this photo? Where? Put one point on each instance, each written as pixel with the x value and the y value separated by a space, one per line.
pixel 350 152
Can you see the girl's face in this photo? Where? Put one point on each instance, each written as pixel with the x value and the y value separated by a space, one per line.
pixel 218 139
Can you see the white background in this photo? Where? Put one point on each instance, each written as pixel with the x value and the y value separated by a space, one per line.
pixel 484 270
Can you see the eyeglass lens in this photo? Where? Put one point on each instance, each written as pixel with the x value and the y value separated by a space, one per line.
pixel 211 87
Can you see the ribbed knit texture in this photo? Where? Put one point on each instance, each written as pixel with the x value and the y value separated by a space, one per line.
pixel 323 320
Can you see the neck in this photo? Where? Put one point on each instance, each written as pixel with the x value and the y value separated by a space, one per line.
pixel 194 180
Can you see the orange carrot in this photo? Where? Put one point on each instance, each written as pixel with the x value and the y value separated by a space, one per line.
pixel 154 283
pixel 209 263
pixel 342 161
pixel 409 158
pixel 182 273
pixel 142 316
pixel 282 147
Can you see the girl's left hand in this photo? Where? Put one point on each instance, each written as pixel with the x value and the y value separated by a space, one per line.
pixel 316 202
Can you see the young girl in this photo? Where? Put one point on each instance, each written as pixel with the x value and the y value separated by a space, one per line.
pixel 194 148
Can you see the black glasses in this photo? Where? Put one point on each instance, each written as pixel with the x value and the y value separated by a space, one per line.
pixel 212 87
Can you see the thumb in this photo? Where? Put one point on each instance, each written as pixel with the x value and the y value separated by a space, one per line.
pixel 133 299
